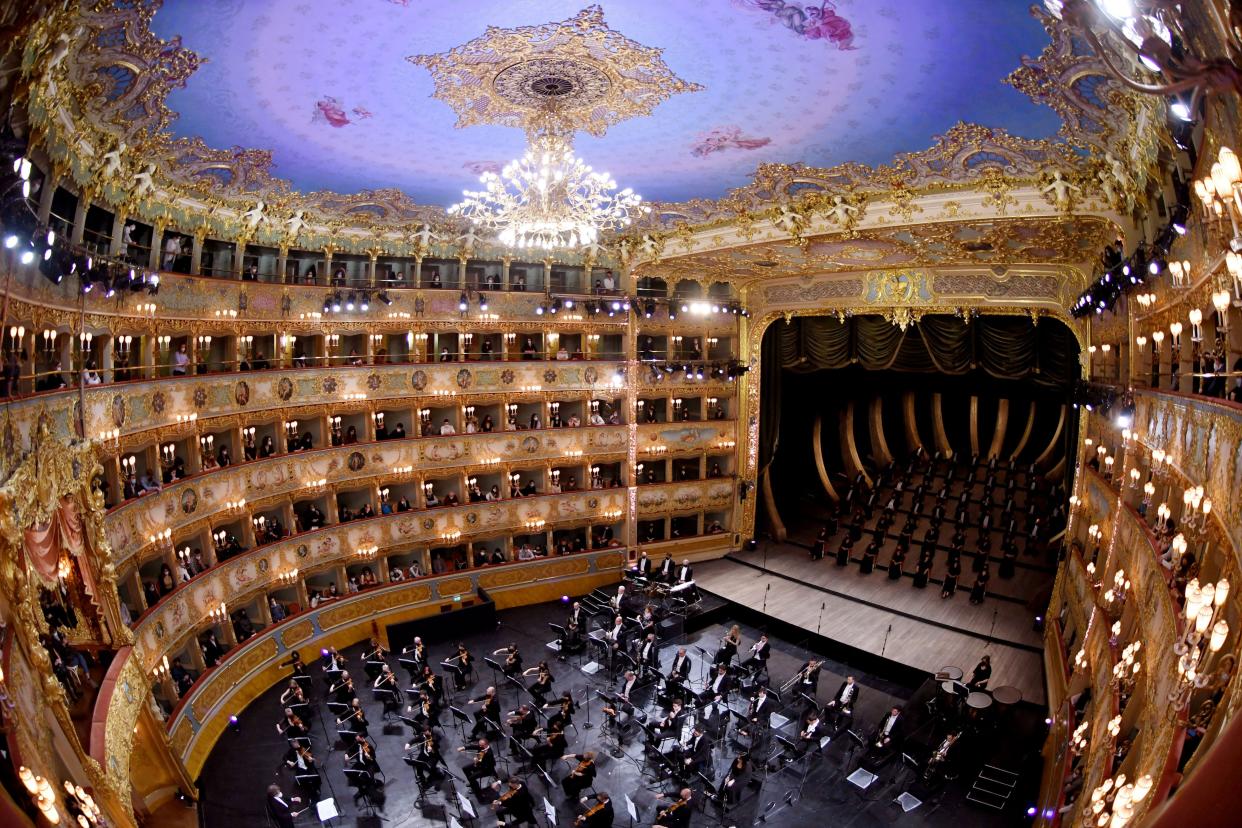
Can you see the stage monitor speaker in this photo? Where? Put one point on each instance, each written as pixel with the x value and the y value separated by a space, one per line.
pixel 669 628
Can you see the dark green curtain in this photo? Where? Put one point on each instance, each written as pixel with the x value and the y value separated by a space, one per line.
pixel 1006 347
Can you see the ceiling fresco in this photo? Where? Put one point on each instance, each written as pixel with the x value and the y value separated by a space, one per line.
pixel 326 87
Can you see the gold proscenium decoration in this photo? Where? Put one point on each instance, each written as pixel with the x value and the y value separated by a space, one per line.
pixel 551 80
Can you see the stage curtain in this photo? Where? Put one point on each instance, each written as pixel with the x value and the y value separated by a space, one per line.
pixel 1006 347
pixel 62 533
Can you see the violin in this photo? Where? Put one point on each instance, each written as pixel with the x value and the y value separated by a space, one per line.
pixel 590 812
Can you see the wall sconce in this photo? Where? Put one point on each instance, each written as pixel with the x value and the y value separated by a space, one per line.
pixel 1176 331
pixel 1141 342
pixel 219 614
pixel 1181 274
pixel 291 429
pixel 366 552
pixel 161 538
pixel 383 494
pixel 161 670
pixel 1196 325
pixel 467 339
pixel 162 343
pixel 333 340
pixel 84 342
pixel 219 538
pixel 428 488
pixel 205 443
pixel 510 338
pixel 1221 300
pixel 1157 338
pixel 168 453
pixel 468 410
pixel 49 341
pixel 129 465
pixel 288 577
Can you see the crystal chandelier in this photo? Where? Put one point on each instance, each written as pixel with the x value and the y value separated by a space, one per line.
pixel 549 198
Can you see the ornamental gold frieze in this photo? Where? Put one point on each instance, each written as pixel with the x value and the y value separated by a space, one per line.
pixel 688 496
pixel 686 437
pixel 194 304
pixel 235 580
pixel 985 243
pixel 182 505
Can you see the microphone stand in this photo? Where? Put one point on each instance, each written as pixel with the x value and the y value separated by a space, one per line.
pixel 820 622
pixel 586 702
pixel 766 590
pixel 884 646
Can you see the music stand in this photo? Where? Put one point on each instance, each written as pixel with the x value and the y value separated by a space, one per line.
pixel 497 670
pixel 461 718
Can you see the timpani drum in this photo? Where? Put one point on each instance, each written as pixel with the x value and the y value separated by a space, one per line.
pixel 951 673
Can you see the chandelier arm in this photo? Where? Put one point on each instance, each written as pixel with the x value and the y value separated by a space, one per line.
pixel 1191 82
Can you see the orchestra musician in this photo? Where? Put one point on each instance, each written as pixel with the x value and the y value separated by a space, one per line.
pixel 299 673
pixel 374 659
pixel 582 776
pixel 414 657
pixel 685 573
pixel 515 803
pixel 617 602
pixel 731 787
pixel 483 764
pixel 513 659
pixel 432 685
pixel 461 669
pixel 728 645
pixel 695 753
pixel 293 695
pixel 423 754
pixel 305 770
pixel 982 673
pixel 808 677
pixel 488 716
pixel 676 815
pixel 615 637
pixel 334 665
pixel 573 641
pixel 522 724
pixel 649 654
pixel 718 686
pixel 356 720
pixel 564 714
pixel 761 708
pixel 343 691
pixel 821 543
pixel 670 723
pixel 678 673
pixel 426 713
pixel 647 621
pixel 597 815
pixel 842 704
pixel 941 756
pixel 387 689
pixel 887 733
pixel 552 747
pixel 364 757
pixel 543 683
pixel 760 651
pixel 812 730
pixel 293 729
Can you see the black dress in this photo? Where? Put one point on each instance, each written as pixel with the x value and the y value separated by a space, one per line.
pixel 868 559
pixel 950 579
pixel 843 552
pixel 894 565
pixel 922 571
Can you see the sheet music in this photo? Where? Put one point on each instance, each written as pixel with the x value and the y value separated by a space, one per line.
pixel 326 809
pixel 629 807
pixel 453 823
pixel 549 811
pixel 465 805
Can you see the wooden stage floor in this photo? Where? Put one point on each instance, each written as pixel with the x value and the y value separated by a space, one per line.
pixel 927 632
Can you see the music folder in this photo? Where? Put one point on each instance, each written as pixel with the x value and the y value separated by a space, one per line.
pixel 325 809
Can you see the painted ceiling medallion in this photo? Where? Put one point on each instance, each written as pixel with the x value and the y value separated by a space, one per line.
pixel 597 77
pixel 568 76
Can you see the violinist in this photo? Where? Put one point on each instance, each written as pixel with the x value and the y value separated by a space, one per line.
pixel 676 815
pixel 516 802
pixel 543 683
pixel 522 724
pixel 423 754
pixel 414 657
pixel 356 720
pixel 294 662
pixel 343 691
pixel 582 776
pixel 564 715
pixel 293 729
pixel 293 696
pixel 387 690
pixel 513 660
pixel 460 664
pixel 374 659
pixel 364 757
pixel 432 685
pixel 426 713
pixel 488 717
pixel 597 815
pixel 305 770
pixel 334 665
pixel 483 764
pixel 552 747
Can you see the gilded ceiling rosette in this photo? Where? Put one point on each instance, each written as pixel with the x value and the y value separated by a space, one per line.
pixel 593 76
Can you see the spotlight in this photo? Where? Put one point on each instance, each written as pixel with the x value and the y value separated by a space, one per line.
pixel 349 303
pixel 556 306
pixel 649 309
pixel 1154 267
pixel 384 297
pixel 327 306
pixel 27 257
pixel 569 304
pixel 463 302
pixel 153 283
pixel 539 309
pixel 365 304
pixel 234 724
pixel 336 302
pixel 1180 110
pixel 10 241
pixel 483 302
pixel 1179 228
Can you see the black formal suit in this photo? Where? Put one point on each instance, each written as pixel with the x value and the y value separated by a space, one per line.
pixel 685 573
pixel 719 685
pixel 601 818
pixel 279 812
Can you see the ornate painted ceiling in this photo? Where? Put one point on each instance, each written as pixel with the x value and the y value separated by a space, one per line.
pixel 328 90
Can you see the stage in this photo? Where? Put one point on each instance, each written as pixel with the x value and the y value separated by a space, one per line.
pixel 790 794
pixel 926 633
